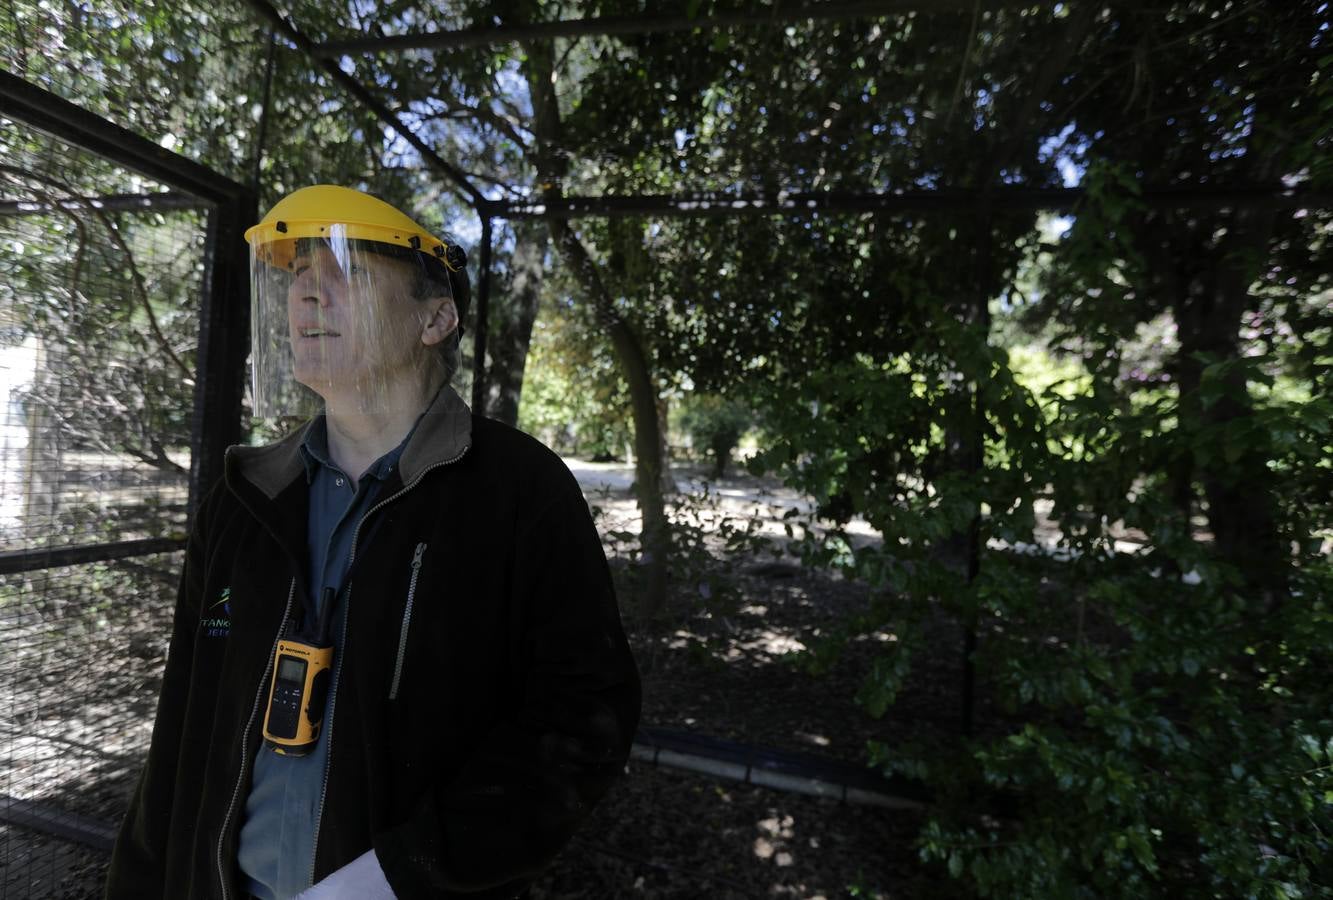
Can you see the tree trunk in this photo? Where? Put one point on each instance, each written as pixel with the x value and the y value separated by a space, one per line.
pixel 1209 309
pixel 1238 490
pixel 666 484
pixel 655 539
pixel 1169 284
pixel 514 316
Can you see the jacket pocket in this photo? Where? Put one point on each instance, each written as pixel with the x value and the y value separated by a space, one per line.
pixel 407 621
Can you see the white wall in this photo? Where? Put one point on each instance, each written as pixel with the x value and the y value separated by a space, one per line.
pixel 18 370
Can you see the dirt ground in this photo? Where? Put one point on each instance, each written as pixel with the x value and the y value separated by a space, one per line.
pixel 665 834
pixel 722 664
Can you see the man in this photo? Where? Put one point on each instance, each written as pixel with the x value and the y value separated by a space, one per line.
pixel 397 666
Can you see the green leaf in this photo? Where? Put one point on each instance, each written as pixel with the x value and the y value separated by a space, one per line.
pixel 1142 850
pixel 1310 745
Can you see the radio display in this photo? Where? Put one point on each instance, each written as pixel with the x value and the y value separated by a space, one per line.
pixel 290 669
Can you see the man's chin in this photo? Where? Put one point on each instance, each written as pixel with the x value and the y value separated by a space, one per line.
pixel 358 388
pixel 321 377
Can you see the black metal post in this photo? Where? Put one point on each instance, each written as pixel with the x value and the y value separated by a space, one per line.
pixel 224 341
pixel 263 110
pixel 482 317
pixel 976 462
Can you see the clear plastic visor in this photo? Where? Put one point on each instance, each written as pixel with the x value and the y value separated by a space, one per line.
pixel 344 323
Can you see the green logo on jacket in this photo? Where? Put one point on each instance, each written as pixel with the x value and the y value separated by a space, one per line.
pixel 217 622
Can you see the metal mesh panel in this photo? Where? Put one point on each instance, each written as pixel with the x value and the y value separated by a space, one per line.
pixel 100 278
pixel 99 319
pixel 83 650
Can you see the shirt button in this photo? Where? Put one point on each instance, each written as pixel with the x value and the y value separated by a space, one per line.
pixel 340 482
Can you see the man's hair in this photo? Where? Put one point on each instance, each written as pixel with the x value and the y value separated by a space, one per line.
pixel 432 279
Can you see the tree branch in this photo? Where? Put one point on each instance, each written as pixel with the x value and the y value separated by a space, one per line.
pixel 502 124
pixel 962 65
pixel 21 177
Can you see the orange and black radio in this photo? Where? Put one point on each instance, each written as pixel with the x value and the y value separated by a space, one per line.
pixel 302 667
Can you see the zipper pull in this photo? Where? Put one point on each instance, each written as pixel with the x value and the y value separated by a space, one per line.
pixel 416 557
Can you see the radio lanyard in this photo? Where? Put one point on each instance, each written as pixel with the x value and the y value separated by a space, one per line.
pixel 302 666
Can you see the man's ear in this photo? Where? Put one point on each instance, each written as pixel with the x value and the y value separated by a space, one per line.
pixel 441 322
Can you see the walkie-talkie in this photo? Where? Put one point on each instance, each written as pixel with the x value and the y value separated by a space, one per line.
pixel 302 666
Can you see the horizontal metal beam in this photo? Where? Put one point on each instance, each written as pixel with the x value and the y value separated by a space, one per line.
pixel 15 561
pixel 486 35
pixel 27 103
pixel 166 201
pixel 998 199
pixel 57 822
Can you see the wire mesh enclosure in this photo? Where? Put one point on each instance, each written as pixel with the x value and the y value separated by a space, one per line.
pixel 104 274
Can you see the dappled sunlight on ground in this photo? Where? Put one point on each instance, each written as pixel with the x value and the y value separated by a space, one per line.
pixel 733 665
pixel 763 503
pixel 775 837
pixel 665 834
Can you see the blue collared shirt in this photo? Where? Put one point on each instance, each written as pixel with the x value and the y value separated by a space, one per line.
pixel 277 842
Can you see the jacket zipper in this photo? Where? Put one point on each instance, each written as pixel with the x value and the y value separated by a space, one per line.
pixel 347 608
pixel 407 620
pixel 245 738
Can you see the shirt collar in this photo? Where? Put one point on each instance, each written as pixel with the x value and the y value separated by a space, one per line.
pixel 315 447
pixel 443 435
pixel 315 451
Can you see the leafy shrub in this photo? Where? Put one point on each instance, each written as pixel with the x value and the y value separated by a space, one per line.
pixel 1156 729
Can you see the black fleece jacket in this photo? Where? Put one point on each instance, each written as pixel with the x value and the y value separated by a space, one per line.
pixel 487 697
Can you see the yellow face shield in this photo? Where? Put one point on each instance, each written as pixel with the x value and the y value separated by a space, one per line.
pixel 346 298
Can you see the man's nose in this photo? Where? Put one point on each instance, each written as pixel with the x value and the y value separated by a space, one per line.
pixel 309 287
pixel 314 295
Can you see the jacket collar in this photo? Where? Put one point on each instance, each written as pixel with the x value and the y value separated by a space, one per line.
pixel 443 434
